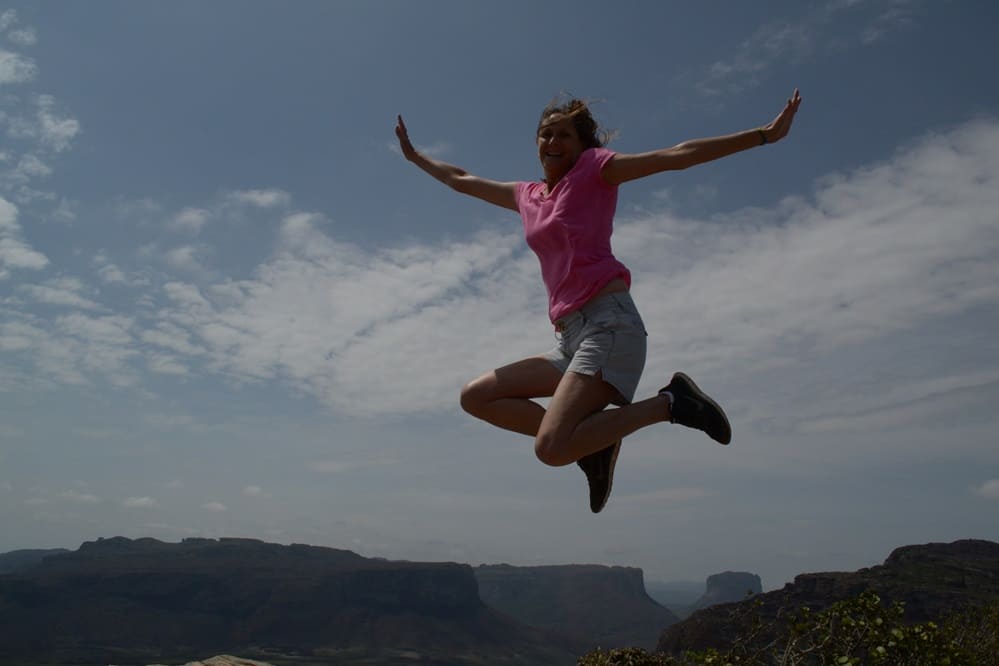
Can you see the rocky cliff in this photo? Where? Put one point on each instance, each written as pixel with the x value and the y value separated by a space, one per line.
pixel 119 600
pixel 729 586
pixel 931 580
pixel 17 560
pixel 596 606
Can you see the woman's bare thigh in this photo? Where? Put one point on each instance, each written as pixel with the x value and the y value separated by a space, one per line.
pixel 529 378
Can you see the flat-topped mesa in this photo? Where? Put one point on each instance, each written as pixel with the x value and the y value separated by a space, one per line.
pixel 207 596
pixel 573 600
pixel 729 586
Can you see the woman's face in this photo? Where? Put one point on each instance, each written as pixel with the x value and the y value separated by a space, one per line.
pixel 559 146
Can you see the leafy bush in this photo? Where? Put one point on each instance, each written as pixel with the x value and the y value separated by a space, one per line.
pixel 849 633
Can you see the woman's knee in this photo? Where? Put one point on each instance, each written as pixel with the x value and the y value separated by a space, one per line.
pixel 474 396
pixel 551 450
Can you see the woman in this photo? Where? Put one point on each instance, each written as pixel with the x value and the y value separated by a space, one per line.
pixel 567 220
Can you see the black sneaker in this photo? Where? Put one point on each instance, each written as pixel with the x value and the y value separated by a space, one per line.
pixel 694 409
pixel 599 470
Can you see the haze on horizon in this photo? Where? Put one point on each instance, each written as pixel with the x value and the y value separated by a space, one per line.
pixel 228 307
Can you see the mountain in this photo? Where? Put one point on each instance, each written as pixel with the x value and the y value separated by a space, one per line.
pixel 931 580
pixel 596 606
pixel 685 597
pixel 17 560
pixel 143 601
pixel 727 587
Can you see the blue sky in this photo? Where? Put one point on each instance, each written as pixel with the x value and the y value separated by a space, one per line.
pixel 228 307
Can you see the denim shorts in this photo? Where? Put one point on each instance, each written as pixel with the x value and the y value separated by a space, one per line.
pixel 606 335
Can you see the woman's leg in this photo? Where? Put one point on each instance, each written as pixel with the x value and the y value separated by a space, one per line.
pixel 504 397
pixel 576 423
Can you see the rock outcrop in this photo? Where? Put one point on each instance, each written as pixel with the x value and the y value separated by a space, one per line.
pixel 593 605
pixel 723 588
pixel 931 580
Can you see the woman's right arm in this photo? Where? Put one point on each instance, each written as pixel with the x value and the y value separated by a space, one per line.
pixel 500 194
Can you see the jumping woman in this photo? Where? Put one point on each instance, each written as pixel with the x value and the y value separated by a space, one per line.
pixel 568 217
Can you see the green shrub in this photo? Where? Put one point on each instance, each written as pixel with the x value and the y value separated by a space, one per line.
pixel 857 631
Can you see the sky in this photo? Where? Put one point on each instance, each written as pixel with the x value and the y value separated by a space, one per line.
pixel 229 307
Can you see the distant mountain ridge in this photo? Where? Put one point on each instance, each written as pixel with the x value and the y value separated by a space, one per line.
pixel 16 560
pixel 930 579
pixel 145 600
pixel 142 601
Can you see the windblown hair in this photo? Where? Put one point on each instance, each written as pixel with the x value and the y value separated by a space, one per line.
pixel 589 131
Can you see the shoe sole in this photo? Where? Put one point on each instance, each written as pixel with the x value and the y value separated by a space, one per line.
pixel 610 477
pixel 701 395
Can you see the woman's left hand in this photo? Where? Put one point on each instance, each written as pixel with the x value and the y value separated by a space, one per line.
pixel 405 145
pixel 781 125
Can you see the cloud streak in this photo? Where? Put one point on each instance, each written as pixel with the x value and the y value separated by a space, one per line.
pixel 988 490
pixel 876 252
pixel 801 39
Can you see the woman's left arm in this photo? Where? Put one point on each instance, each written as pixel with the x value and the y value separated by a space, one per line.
pixel 622 168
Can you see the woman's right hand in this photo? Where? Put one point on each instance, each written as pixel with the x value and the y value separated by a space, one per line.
pixel 405 145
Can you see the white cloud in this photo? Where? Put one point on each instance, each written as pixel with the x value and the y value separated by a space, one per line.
pixel 111 274
pixel 80 345
pixel 8 18
pixel 165 364
pixel 15 68
pixel 55 132
pixel 173 337
pixel 15 253
pixel 29 166
pixel 214 506
pixel 254 491
pixel 899 15
pixel 436 150
pixel 112 330
pixel 139 503
pixel 187 258
pixel 267 198
pixel 63 212
pixel 988 490
pixel 800 39
pixel 190 219
pixel 16 336
pixel 8 217
pixel 60 291
pixel 78 497
pixel 23 36
pixel 302 318
pixel 880 250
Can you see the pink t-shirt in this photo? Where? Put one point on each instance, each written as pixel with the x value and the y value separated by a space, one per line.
pixel 570 231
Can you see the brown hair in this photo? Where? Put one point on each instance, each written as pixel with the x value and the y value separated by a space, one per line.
pixel 586 126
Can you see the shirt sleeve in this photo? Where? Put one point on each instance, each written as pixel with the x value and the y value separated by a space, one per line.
pixel 520 192
pixel 595 159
